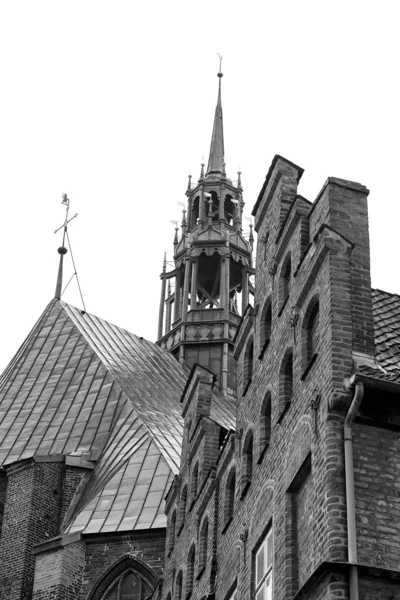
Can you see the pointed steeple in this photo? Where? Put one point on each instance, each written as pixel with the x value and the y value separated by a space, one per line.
pixel 216 161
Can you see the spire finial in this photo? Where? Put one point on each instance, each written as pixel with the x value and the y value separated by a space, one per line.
pixel 202 168
pixel 216 157
pixel 220 73
pixel 62 249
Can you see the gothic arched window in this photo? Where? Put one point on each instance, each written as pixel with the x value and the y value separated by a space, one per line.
pixel 128 586
pixel 127 579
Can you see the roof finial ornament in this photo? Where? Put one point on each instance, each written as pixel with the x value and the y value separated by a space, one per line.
pixel 62 249
pixel 220 73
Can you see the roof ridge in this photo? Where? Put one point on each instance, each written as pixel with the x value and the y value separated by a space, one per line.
pixel 385 292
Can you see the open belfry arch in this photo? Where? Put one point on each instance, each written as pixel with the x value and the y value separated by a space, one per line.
pixel 211 284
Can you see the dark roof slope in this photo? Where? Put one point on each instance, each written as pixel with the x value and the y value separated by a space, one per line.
pixel 386 311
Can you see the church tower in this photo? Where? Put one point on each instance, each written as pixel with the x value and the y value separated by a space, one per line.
pixel 199 317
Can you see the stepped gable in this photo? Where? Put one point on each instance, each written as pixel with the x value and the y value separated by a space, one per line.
pixel 386 312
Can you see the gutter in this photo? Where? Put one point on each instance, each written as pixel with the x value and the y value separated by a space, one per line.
pixel 350 496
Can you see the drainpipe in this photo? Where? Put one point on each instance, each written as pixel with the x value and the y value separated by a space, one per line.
pixel 350 497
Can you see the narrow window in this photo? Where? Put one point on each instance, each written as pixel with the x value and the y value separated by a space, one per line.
pixel 312 332
pixel 264 569
pixel 265 327
pixel 203 546
pixel 190 571
pixel 284 282
pixel 195 212
pixel 195 479
pixel 247 464
pixel 172 528
pixel 265 424
pixel 286 383
pixel 229 499
pixel 183 507
pixel 178 587
pixel 248 365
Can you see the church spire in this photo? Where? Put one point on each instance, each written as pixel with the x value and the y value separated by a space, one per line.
pixel 216 160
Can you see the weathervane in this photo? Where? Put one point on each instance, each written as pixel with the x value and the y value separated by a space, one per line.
pixel 220 61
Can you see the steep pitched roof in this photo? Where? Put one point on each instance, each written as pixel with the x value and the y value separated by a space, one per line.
pixel 82 387
pixel 386 311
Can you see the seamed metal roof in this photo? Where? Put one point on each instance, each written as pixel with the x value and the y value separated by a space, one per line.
pixel 82 387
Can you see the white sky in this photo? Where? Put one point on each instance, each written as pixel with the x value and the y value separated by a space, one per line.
pixel 113 103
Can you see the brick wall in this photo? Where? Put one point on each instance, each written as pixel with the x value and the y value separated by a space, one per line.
pixel 58 573
pixel 376 474
pixel 3 490
pixel 105 550
pixel 31 515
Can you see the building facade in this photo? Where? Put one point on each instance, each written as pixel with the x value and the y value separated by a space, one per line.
pixel 253 452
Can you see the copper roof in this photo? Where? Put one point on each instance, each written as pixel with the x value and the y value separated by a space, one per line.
pixel 82 387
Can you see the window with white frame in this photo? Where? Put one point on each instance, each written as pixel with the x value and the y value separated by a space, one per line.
pixel 263 580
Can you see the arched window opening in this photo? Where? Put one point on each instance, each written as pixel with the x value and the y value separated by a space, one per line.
pixel 247 464
pixel 212 204
pixel 190 570
pixel 229 499
pixel 184 495
pixel 127 579
pixel 265 424
pixel 128 586
pixel 178 587
pixel 172 529
pixel 265 326
pixel 248 365
pixel 203 546
pixel 195 212
pixel 311 332
pixel 284 282
pixel 195 480
pixel 230 208
pixel 286 383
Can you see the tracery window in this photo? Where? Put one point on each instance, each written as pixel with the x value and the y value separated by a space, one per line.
pixel 128 586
